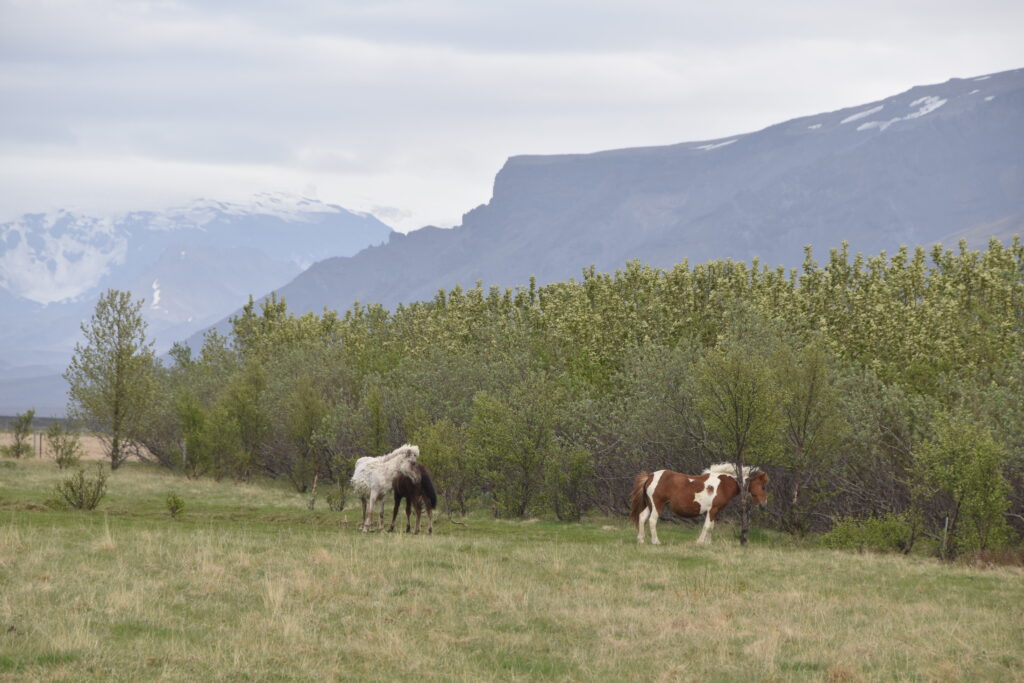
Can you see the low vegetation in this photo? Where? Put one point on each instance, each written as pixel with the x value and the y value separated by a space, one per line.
pixel 250 584
pixel 64 445
pixel 21 432
pixel 869 388
pixel 81 491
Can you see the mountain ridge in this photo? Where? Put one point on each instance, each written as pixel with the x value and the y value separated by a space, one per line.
pixel 935 162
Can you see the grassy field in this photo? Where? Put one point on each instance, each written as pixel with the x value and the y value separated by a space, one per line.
pixel 250 585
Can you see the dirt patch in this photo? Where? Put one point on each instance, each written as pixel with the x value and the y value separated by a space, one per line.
pixel 93 447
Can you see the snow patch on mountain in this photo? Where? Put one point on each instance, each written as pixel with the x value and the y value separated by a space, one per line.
pixel 201 212
pixel 862 114
pixel 54 257
pixel 926 105
pixel 716 145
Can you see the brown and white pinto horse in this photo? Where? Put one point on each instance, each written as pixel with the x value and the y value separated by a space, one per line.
pixel 690 495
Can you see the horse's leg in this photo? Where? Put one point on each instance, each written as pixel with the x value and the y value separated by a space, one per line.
pixel 709 524
pixel 408 515
pixel 653 521
pixel 644 514
pixel 371 510
pixel 430 520
pixel 376 511
pixel 394 513
pixel 419 511
pixel 362 525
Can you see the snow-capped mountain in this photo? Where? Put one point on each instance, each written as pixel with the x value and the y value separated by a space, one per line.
pixel 56 257
pixel 192 265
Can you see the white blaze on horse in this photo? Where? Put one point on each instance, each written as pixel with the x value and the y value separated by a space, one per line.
pixel 691 495
pixel 374 477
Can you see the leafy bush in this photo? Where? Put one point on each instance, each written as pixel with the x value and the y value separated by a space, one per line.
pixel 342 467
pixel 443 452
pixel 336 499
pixel 569 475
pixel 81 492
pixel 889 533
pixel 22 429
pixel 16 450
pixel 65 446
pixel 961 466
pixel 174 504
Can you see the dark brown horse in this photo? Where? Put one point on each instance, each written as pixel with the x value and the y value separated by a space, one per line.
pixel 417 491
pixel 690 495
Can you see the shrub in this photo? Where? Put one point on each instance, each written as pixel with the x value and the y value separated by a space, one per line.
pixel 961 467
pixel 341 467
pixel 81 492
pixel 889 533
pixel 336 499
pixel 65 446
pixel 569 476
pixel 16 450
pixel 174 504
pixel 22 429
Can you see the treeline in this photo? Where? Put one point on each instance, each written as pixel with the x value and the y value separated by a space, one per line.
pixel 883 388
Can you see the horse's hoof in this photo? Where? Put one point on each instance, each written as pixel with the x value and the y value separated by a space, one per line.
pixel 655 542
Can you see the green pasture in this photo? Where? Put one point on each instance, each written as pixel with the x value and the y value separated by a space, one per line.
pixel 248 584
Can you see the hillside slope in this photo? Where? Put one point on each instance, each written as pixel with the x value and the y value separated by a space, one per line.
pixel 936 162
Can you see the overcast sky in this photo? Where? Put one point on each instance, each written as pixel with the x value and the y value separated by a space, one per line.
pixel 408 108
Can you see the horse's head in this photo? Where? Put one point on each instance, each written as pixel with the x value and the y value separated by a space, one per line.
pixel 407 466
pixel 758 487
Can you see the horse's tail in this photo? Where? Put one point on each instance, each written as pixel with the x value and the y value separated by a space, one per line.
pixel 428 487
pixel 637 499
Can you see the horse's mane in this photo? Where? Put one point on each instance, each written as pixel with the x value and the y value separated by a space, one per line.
pixel 415 450
pixel 729 468
pixel 379 471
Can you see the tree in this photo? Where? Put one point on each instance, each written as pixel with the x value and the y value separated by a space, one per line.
pixel 737 399
pixel 111 376
pixel 443 450
pixel 962 465
pixel 569 479
pixel 510 440
pixel 813 423
pixel 22 428
pixel 64 444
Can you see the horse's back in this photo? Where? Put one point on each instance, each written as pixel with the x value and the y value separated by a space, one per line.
pixel 680 491
pixel 361 475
